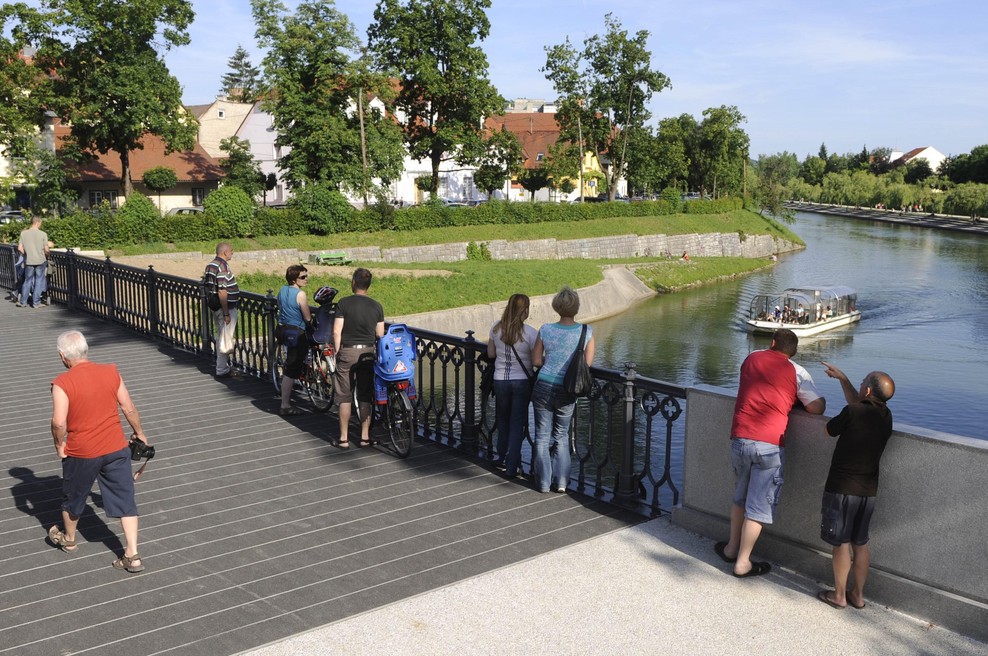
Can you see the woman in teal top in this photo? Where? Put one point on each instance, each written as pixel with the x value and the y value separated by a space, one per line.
pixel 554 348
pixel 293 318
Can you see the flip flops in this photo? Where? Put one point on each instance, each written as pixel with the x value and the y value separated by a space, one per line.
pixel 59 540
pixel 290 411
pixel 757 569
pixel 824 596
pixel 719 548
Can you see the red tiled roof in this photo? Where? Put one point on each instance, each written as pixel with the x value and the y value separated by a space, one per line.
pixel 190 166
pixel 535 131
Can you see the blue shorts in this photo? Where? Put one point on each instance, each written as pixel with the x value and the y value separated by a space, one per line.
pixel 758 477
pixel 845 518
pixel 116 483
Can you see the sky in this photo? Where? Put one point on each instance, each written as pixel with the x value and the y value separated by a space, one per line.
pixel 870 73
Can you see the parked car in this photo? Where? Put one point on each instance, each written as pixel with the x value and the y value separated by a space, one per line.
pixel 8 216
pixel 184 210
pixel 453 203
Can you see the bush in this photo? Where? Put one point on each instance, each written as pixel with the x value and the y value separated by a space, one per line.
pixel 232 210
pixel 279 222
pixel 137 221
pixel 324 210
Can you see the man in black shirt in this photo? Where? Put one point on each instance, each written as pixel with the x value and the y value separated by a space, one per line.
pixel 864 427
pixel 358 325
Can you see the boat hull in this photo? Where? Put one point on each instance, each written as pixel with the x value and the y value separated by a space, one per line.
pixel 802 329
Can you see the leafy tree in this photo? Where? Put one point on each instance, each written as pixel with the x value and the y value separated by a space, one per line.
pixel 722 150
pixel 823 152
pixel 111 83
pixel 561 166
pixel 813 170
pixel 533 179
pixel 489 178
pixel 243 82
pixel 502 160
pixel 774 174
pixel 159 179
pixel 317 91
pixel 241 169
pixel 676 138
pixel 431 47
pixel 604 91
pixel 879 160
pixel 917 170
pixel 39 169
pixel 24 88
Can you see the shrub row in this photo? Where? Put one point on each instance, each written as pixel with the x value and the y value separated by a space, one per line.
pixel 226 216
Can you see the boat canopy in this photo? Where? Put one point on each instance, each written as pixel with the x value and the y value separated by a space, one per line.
pixel 816 302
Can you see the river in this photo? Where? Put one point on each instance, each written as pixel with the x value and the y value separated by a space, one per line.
pixel 923 294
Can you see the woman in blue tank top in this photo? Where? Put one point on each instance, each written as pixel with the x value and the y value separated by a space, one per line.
pixel 554 348
pixel 293 318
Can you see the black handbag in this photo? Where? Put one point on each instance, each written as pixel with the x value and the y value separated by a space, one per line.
pixel 487 381
pixel 578 380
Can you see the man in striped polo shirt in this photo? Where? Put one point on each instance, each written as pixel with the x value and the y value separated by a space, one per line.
pixel 219 280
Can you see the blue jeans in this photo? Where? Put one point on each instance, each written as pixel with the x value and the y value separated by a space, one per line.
pixel 512 398
pixel 34 282
pixel 553 415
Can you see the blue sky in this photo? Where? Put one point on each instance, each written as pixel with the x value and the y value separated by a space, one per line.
pixel 900 74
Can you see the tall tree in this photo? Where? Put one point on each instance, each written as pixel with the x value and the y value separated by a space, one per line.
pixel 318 89
pixel 611 104
pixel 243 82
pixel 723 150
pixel 432 48
pixel 110 82
pixel 242 170
pixel 502 159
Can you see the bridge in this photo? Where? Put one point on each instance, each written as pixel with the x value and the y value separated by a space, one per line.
pixel 260 537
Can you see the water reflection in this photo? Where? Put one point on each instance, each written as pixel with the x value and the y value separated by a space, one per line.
pixel 923 294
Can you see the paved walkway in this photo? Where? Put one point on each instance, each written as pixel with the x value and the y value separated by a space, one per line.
pixel 261 538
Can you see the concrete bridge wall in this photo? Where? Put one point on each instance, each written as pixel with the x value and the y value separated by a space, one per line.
pixel 929 538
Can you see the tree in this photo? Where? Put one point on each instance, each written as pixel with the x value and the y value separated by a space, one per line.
pixel 242 170
pixel 159 179
pixel 611 104
pixel 24 88
pixel 318 90
pixel 502 160
pixel 722 150
pixel 774 174
pixel 823 152
pixel 533 179
pixel 813 170
pixel 431 47
pixel 917 170
pixel 243 82
pixel 111 84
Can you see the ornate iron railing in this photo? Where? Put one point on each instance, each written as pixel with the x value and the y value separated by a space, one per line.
pixel 627 437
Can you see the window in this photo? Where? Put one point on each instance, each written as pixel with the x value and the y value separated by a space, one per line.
pixel 220 113
pixel 96 198
pixel 540 157
pixel 198 195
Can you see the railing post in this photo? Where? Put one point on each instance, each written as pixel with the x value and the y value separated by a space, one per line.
pixel 469 429
pixel 152 287
pixel 72 279
pixel 626 490
pixel 270 323
pixel 206 316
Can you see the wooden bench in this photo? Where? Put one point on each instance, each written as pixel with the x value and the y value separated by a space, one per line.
pixel 330 257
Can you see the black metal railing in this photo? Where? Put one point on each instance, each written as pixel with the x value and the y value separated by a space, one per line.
pixel 626 437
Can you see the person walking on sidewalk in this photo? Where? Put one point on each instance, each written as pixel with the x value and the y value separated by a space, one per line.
pixel 220 281
pixel 90 442
pixel 771 384
pixel 862 428
pixel 33 245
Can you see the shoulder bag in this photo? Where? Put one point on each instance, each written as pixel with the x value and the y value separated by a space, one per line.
pixel 528 374
pixel 578 380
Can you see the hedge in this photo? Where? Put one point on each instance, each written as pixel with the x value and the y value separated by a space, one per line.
pixel 103 228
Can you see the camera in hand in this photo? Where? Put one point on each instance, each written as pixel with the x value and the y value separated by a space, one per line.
pixel 140 450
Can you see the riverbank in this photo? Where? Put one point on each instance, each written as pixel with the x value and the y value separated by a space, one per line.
pixel 952 222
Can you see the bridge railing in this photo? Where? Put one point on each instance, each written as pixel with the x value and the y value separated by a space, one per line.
pixel 626 437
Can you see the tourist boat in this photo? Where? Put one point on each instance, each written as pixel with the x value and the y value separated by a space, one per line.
pixel 804 310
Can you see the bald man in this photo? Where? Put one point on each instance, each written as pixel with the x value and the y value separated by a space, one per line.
pixel 863 429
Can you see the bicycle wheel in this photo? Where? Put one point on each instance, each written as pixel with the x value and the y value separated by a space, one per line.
pixel 278 365
pixel 401 421
pixel 320 383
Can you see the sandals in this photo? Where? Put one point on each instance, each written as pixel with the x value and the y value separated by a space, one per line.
pixel 342 446
pixel 59 540
pixel 363 444
pixel 127 563
pixel 290 411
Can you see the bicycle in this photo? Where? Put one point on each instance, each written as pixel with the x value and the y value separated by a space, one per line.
pixel 320 360
pixel 394 388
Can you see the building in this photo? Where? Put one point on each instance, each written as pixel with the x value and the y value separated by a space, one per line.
pixel 932 156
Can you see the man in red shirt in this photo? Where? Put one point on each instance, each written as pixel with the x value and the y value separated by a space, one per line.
pixel 770 385
pixel 90 441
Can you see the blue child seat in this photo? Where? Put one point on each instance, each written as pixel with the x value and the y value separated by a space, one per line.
pixel 395 354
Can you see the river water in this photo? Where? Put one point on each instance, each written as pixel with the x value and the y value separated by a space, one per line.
pixel 923 295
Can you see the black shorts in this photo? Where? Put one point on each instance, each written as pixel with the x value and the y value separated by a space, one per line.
pixel 845 518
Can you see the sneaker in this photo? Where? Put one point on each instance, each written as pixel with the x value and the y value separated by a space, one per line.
pixel 233 373
pixel 499 465
pixel 560 490
pixel 19 304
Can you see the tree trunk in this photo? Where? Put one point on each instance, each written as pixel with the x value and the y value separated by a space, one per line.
pixel 125 184
pixel 436 161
